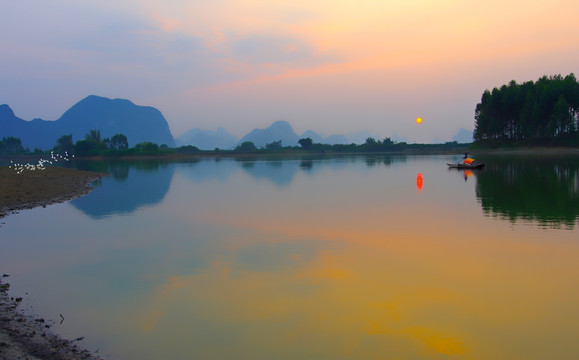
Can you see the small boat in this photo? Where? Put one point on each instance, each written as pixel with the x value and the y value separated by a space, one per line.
pixel 467 164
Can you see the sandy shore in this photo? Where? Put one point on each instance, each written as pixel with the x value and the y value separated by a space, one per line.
pixel 23 336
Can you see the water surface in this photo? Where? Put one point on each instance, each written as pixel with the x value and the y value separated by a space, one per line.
pixel 381 257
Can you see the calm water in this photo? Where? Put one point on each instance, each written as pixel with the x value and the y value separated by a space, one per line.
pixel 321 258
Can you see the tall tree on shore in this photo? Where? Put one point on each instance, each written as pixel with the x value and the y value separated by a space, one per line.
pixel 541 110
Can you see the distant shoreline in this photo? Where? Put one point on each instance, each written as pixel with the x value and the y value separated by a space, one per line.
pixel 4 159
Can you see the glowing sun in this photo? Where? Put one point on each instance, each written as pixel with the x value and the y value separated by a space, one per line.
pixel 418 120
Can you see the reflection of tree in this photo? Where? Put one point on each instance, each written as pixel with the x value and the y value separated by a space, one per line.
pixel 306 164
pixel 543 190
pixel 119 170
pixel 372 161
pixel 248 164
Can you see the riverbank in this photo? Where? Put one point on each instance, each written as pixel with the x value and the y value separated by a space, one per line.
pixel 27 337
pixel 23 336
pixel 33 188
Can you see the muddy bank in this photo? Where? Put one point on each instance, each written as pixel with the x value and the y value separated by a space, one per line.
pixel 29 337
pixel 33 188
pixel 23 336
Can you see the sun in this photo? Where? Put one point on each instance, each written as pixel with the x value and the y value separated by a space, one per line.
pixel 418 120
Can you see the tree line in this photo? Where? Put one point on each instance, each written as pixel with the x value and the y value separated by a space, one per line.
pixel 371 145
pixel 94 145
pixel 12 145
pixel 541 112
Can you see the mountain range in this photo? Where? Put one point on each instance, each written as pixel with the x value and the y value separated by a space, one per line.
pixel 147 124
pixel 111 117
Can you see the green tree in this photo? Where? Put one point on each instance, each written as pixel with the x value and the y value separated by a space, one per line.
pixel 562 116
pixel 387 142
pixel 91 145
pixel 370 141
pixel 119 142
pixel 11 145
pixel 306 143
pixel 64 144
pixel 246 146
pixel 86 148
pixel 276 145
pixel 147 148
pixel 532 111
pixel 94 135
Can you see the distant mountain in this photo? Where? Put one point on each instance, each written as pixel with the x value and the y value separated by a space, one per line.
pixel 118 116
pixel 279 130
pixel 320 139
pixel 399 139
pixel 316 138
pixel 360 137
pixel 337 140
pixel 208 139
pixel 463 136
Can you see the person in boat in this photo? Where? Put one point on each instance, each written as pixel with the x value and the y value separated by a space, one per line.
pixel 466 160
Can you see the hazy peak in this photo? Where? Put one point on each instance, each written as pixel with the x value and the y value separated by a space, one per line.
pixel 6 112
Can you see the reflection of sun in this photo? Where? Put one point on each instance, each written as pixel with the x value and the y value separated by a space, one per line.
pixel 418 120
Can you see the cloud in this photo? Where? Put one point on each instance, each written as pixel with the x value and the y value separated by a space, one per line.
pixel 259 49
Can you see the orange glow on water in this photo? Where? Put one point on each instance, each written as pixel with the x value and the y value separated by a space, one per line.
pixel 419 182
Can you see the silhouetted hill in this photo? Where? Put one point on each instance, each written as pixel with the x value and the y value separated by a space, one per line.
pixel 208 139
pixel 359 137
pixel 336 140
pixel 463 136
pixel 279 130
pixel 320 139
pixel 118 116
pixel 316 138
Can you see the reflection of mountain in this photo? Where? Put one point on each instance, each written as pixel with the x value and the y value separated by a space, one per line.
pixel 282 171
pixel 543 190
pixel 131 186
pixel 279 172
pixel 207 170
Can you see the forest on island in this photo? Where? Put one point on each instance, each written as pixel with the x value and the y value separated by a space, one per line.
pixel 544 112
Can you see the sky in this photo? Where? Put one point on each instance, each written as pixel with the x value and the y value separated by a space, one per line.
pixel 330 66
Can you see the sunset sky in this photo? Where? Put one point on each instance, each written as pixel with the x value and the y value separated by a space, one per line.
pixel 329 66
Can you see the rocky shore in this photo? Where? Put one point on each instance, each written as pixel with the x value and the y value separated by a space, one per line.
pixel 23 336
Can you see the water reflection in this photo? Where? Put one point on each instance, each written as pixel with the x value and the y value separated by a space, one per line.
pixel 132 185
pixel 336 258
pixel 545 190
pixel 541 189
pixel 279 171
pixel 466 173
